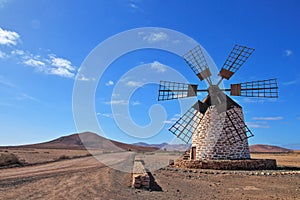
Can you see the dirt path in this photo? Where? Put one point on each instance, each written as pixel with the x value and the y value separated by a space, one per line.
pixel 86 178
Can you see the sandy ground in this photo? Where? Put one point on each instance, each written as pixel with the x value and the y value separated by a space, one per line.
pixel 282 159
pixel 32 156
pixel 86 178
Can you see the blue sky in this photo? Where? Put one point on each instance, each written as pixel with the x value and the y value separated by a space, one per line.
pixel 43 44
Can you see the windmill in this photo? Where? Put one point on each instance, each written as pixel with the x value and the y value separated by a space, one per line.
pixel 216 124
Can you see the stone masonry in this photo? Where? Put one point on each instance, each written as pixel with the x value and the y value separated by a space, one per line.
pixel 212 141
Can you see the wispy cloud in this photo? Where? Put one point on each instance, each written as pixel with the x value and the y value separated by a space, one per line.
pixel 17 52
pixel 5 82
pixel 268 118
pixel 54 65
pixel 2 3
pixel 115 95
pixel 158 67
pixel 134 5
pixel 134 84
pixel 109 83
pixel 61 67
pixel 258 100
pixel 45 63
pixel 108 115
pixel 155 37
pixel 82 77
pixel 288 52
pixel 2 54
pixel 61 63
pixel 122 102
pixel 293 82
pixel 8 37
pixel 24 96
pixel 136 103
pixel 34 63
pixel 257 125
pixel 116 102
pixel 173 119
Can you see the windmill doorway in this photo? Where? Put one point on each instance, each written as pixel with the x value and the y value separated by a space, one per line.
pixel 193 153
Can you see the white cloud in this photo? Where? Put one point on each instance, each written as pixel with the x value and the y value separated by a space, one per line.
pixel 116 102
pixel 81 77
pixel 257 125
pixel 268 118
pixel 134 84
pixel 293 82
pixel 61 63
pixel 61 72
pixel 133 5
pixel 3 81
pixel 168 122
pixel 56 67
pixel 24 96
pixel 34 63
pixel 109 83
pixel 115 95
pixel 258 100
pixel 158 67
pixel 122 102
pixel 288 52
pixel 48 65
pixel 17 52
pixel 173 119
pixel 2 54
pixel 8 37
pixel 156 37
pixel 136 103
pixel 61 67
pixel 108 115
pixel 2 3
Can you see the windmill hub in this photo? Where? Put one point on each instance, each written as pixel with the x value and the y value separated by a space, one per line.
pixel 216 124
pixel 213 90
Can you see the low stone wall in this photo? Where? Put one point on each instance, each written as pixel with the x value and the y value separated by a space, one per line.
pixel 249 164
pixel 140 177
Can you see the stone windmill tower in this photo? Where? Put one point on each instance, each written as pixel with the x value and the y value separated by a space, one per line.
pixel 216 124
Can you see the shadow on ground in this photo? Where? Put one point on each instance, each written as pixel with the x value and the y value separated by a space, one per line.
pixel 153 184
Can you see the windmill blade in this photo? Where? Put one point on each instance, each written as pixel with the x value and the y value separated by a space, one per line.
pixel 263 88
pixel 173 90
pixel 188 123
pixel 197 62
pixel 235 128
pixel 237 57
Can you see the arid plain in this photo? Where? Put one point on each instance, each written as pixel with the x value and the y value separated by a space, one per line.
pixel 74 174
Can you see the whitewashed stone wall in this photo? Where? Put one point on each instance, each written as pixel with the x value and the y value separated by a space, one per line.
pixel 211 141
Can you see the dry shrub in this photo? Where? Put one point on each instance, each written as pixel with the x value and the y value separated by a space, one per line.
pixel 9 159
pixel 63 157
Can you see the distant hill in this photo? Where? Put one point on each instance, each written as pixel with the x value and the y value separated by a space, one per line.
pixel 263 148
pixel 258 148
pixel 88 140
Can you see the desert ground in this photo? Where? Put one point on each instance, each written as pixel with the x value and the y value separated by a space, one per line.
pixel 76 177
